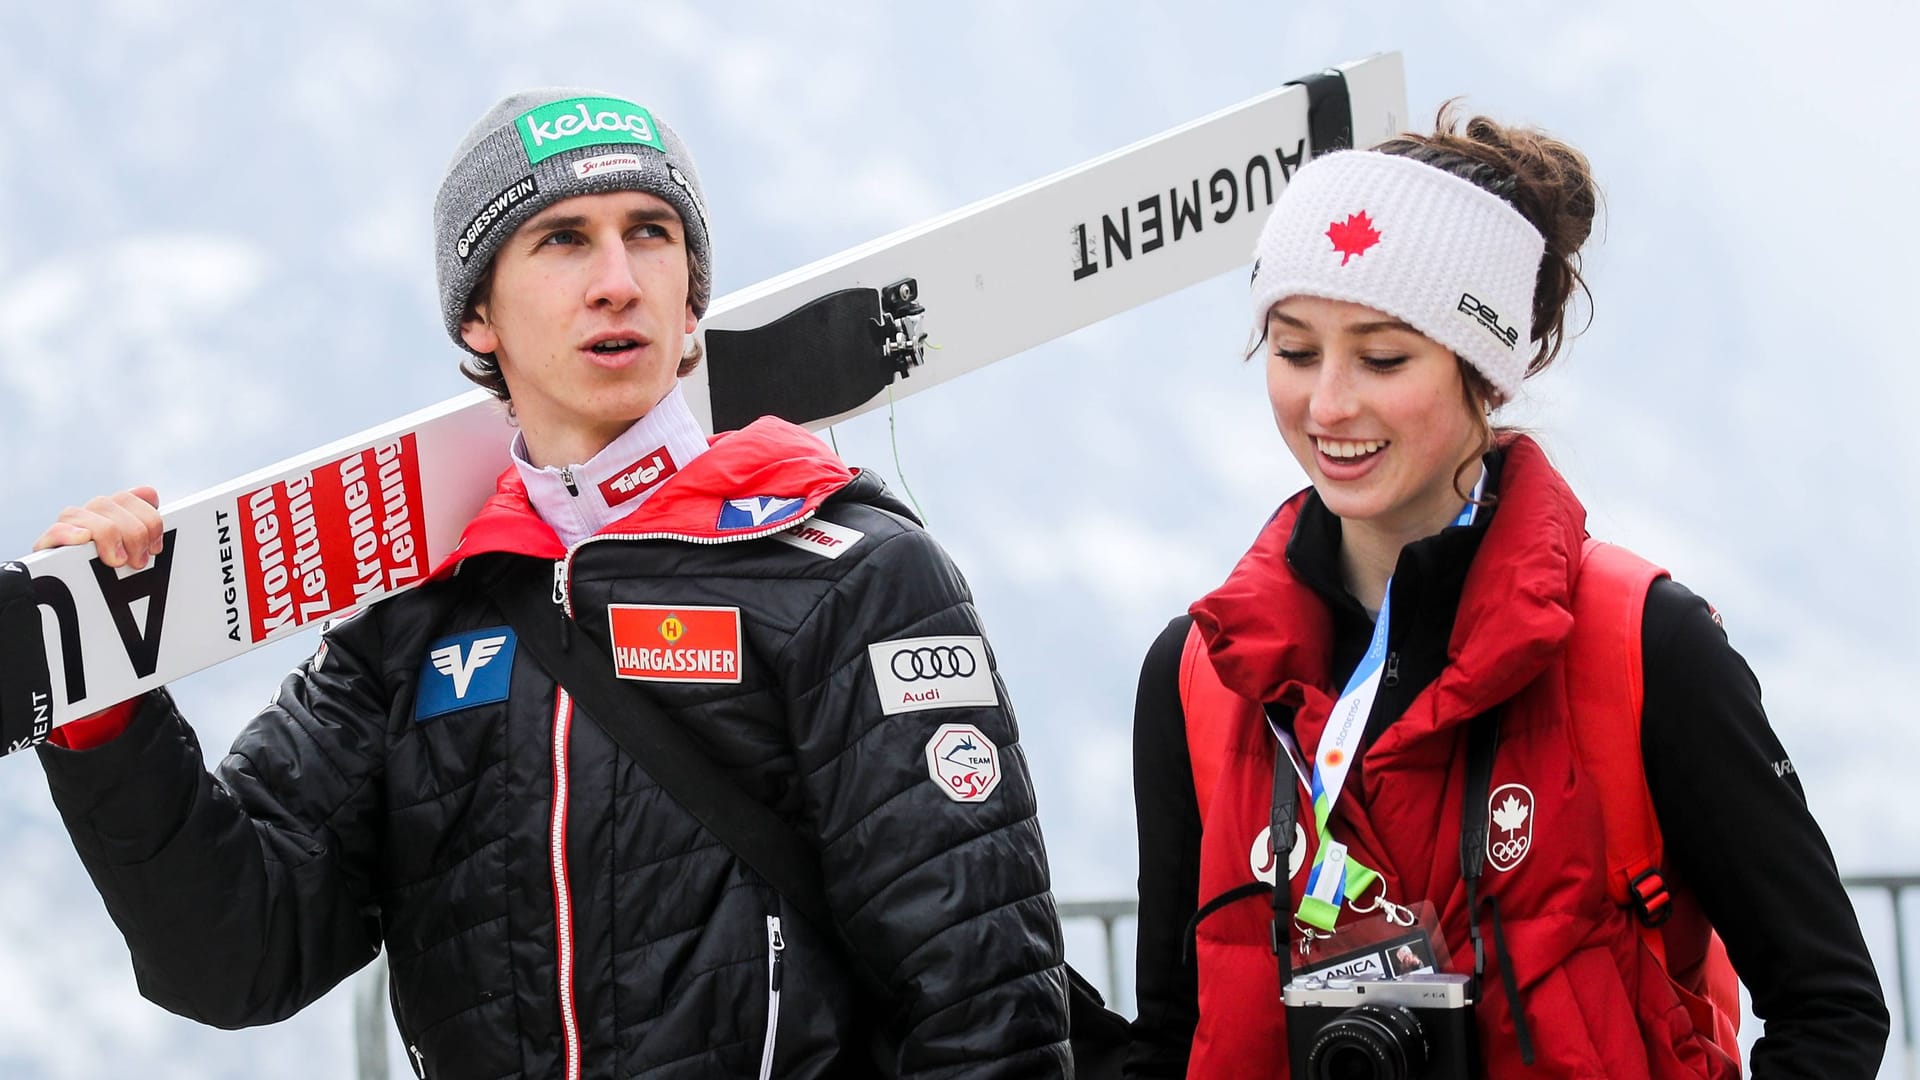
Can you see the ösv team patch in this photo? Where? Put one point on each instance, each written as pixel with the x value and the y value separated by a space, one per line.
pixel 963 762
pixel 465 670
pixel 675 644
pixel 913 674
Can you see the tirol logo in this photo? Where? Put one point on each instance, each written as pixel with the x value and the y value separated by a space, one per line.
pixel 1264 862
pixel 963 762
pixel 1489 318
pixel 638 477
pixel 564 125
pixel 675 644
pixel 1511 808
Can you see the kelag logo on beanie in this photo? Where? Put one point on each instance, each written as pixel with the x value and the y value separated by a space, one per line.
pixel 564 125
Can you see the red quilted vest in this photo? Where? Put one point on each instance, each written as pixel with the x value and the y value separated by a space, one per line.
pixel 1597 998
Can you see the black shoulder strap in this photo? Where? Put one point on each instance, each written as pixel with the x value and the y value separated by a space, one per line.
pixel 1483 741
pixel 761 838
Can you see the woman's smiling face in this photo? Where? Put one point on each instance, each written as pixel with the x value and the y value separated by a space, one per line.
pixel 1373 410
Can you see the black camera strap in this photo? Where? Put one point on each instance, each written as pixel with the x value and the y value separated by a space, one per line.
pixel 1483 739
pixel 753 831
pixel 1283 814
pixel 1281 819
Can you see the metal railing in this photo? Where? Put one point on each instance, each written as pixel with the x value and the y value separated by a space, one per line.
pixel 371 1022
pixel 1895 886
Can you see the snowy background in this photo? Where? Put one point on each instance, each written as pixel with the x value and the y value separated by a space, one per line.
pixel 215 252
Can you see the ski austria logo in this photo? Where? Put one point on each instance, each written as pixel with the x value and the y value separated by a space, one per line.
pixel 914 674
pixel 638 477
pixel 963 762
pixel 587 121
pixel 606 163
pixel 737 514
pixel 1264 862
pixel 1353 236
pixel 1511 808
pixel 465 670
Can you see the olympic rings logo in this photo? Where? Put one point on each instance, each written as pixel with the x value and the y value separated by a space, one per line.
pixel 1509 851
pixel 939 662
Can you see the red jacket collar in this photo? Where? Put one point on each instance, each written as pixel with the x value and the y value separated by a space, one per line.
pixel 766 476
pixel 1269 634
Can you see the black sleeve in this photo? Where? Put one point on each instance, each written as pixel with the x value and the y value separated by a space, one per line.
pixel 947 900
pixel 1168 817
pixel 1739 835
pixel 246 895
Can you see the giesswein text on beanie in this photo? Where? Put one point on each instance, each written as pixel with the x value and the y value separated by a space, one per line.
pixel 538 147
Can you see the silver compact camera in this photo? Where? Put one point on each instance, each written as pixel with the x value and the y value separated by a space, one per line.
pixel 1417 1027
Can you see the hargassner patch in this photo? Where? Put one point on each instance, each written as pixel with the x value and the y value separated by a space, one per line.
pixel 465 670
pixel 822 538
pixel 914 674
pixel 757 512
pixel 490 214
pixel 675 644
pixel 963 762
pixel 588 121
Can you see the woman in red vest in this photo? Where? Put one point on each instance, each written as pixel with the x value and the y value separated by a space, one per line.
pixel 1381 746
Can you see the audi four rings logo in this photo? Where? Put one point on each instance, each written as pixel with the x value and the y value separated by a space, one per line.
pixel 938 662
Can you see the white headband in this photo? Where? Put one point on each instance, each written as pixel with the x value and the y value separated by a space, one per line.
pixel 1451 258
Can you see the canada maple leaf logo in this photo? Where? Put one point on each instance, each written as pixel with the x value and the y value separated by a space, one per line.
pixel 1510 815
pixel 1353 236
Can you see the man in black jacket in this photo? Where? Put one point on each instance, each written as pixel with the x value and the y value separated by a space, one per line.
pixel 421 783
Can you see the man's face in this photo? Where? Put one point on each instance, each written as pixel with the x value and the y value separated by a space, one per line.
pixel 587 316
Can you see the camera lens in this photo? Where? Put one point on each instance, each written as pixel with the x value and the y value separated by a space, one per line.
pixel 1370 1042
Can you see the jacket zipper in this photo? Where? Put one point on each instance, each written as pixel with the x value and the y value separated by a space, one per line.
pixel 776 945
pixel 562 897
pixel 563 569
pixel 562 719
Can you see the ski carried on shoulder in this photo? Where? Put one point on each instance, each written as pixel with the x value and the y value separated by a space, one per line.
pixel 276 550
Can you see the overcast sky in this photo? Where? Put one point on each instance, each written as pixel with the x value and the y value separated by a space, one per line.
pixel 215 252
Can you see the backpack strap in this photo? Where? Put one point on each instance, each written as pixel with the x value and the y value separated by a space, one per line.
pixel 1606 690
pixel 1202 697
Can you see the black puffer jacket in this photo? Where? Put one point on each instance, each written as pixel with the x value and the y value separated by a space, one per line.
pixel 541 906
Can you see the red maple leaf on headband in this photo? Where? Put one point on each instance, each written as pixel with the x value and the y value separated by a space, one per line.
pixel 1353 236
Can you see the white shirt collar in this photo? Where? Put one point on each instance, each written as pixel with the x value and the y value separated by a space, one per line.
pixel 580 500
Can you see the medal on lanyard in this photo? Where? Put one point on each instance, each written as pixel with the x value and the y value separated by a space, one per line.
pixel 1335 878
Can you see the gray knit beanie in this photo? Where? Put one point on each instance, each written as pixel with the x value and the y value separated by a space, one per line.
pixel 538 147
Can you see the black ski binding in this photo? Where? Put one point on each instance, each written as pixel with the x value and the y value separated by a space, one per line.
pixel 898 326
